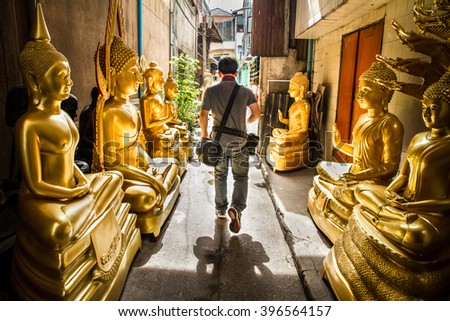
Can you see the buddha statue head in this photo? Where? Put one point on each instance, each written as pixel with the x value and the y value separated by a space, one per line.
pixel 298 85
pixel 153 75
pixel 170 87
pixel 46 71
pixel 436 103
pixel 376 80
pixel 124 68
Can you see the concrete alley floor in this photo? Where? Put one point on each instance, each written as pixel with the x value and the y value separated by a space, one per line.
pixel 198 258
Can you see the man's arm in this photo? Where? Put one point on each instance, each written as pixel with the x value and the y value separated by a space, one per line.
pixel 204 122
pixel 255 113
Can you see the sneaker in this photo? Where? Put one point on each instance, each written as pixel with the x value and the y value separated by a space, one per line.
pixel 220 214
pixel 235 215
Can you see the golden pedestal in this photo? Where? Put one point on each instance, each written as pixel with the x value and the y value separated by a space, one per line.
pixel 92 267
pixel 289 156
pixel 364 265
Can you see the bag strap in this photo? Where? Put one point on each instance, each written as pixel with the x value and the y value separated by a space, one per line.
pixel 231 131
pixel 227 112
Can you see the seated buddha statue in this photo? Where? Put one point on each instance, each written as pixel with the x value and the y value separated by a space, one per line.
pixel 170 92
pixel 70 243
pixel 162 140
pixel 151 190
pixel 376 150
pixel 396 245
pixel 288 147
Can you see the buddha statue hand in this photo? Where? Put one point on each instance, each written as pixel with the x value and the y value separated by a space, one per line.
pixel 349 179
pixel 336 136
pixel 81 189
pixel 281 118
pixel 393 199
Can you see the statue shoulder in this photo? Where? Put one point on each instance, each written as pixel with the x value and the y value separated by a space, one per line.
pixel 391 121
pixel 31 120
pixel 115 113
pixel 420 137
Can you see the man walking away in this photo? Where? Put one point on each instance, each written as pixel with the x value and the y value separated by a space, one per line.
pixel 233 139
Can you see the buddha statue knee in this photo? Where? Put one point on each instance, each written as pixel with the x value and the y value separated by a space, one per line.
pixel 143 198
pixel 168 175
pixel 376 150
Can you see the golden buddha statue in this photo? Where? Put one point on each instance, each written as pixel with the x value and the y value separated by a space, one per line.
pixel 75 240
pixel 170 92
pixel 376 150
pixel 289 147
pixel 162 141
pixel 396 245
pixel 151 190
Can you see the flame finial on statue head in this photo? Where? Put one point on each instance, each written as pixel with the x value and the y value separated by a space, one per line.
pixel 170 81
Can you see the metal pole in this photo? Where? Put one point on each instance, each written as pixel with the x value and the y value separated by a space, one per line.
pixel 140 49
pixel 204 41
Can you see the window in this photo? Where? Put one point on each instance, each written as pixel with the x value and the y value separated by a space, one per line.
pixel 249 24
pixel 226 30
pixel 240 23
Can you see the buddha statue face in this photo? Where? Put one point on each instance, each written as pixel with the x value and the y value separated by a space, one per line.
pixel 123 69
pixel 171 90
pixel 369 95
pixel 373 90
pixel 154 77
pixel 56 83
pixel 298 85
pixel 128 79
pixel 435 113
pixel 436 104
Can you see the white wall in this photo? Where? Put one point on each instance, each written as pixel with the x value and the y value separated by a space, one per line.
pixel 156 32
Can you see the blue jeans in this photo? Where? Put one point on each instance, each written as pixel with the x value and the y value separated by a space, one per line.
pixel 239 167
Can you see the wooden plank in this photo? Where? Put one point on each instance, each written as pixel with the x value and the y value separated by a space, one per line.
pixel 269 28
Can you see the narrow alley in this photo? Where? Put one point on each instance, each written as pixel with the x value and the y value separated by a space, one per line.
pixel 198 258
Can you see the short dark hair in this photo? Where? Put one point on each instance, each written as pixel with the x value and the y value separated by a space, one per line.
pixel 228 65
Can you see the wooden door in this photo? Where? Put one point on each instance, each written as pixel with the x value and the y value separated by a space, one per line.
pixel 359 50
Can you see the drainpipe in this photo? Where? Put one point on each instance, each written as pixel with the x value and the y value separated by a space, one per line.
pixel 139 21
pixel 309 60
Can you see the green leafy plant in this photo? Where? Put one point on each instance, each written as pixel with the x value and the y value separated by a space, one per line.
pixel 188 87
